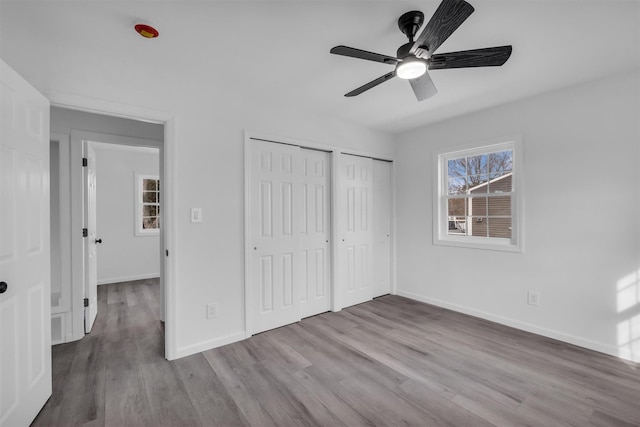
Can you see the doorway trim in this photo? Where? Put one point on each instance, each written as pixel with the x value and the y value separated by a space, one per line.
pixel 80 139
pixel 335 151
pixel 168 238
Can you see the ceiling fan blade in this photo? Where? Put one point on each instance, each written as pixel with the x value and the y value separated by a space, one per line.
pixel 447 18
pixel 371 84
pixel 487 57
pixel 423 87
pixel 363 54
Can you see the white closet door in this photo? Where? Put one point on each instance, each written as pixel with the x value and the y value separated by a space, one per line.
pixel 355 231
pixel 314 233
pixel 275 216
pixel 382 204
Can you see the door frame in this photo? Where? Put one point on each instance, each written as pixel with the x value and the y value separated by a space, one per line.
pixel 79 141
pixel 64 226
pixel 168 231
pixel 335 151
pixel 87 208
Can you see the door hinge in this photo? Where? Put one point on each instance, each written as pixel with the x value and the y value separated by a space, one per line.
pixel 86 302
pixel 85 162
pixel 167 252
pixel 85 232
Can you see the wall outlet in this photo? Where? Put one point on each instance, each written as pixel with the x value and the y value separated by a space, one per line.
pixel 533 298
pixel 212 311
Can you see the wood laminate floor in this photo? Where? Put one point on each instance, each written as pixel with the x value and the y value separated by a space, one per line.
pixel 391 361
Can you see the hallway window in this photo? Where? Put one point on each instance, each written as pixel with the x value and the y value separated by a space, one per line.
pixel 148 205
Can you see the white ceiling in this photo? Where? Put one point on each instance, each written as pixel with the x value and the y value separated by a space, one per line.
pixel 278 51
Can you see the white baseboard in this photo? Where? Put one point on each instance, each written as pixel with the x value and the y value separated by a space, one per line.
pixel 549 333
pixel 209 344
pixel 128 278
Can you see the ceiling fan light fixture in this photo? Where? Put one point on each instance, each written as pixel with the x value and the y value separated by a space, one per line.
pixel 411 68
pixel 414 58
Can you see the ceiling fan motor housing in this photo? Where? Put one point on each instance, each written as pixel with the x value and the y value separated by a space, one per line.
pixel 410 22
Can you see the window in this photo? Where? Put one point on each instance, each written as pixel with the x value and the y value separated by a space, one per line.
pixel 478 203
pixel 148 205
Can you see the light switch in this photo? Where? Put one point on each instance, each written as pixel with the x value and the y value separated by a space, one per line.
pixel 196 214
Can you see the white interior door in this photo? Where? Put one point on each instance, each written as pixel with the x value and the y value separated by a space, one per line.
pixel 315 259
pixel 25 291
pixel 382 204
pixel 275 211
pixel 355 231
pixel 91 241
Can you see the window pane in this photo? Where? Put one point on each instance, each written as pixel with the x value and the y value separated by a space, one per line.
pixel 150 223
pixel 478 183
pixel 457 185
pixel 500 227
pixel 457 167
pixel 457 226
pixel 481 201
pixel 149 184
pixel 149 210
pixel 477 226
pixel 501 182
pixel 478 206
pixel 457 207
pixel 477 165
pixel 500 205
pixel 501 161
pixel 149 197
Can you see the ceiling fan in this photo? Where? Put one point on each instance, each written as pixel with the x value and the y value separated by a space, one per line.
pixel 415 57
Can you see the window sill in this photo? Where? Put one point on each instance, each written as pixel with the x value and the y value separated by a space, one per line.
pixel 147 233
pixel 479 243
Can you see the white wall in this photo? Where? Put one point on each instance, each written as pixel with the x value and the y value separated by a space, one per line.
pixel 65 120
pixel 209 172
pixel 582 192
pixel 123 256
pixel 54 220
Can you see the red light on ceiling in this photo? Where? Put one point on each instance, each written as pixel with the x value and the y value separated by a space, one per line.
pixel 146 31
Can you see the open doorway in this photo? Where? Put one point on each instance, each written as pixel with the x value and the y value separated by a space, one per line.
pixel 123 219
pixel 101 198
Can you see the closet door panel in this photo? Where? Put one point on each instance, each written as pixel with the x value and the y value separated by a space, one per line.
pixel 354 216
pixel 382 205
pixel 315 232
pixel 276 206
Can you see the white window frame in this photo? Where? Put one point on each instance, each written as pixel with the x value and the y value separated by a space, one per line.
pixel 440 189
pixel 139 231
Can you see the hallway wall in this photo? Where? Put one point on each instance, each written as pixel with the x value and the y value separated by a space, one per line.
pixel 123 255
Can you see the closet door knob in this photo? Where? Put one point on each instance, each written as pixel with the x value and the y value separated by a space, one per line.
pixel 98 241
pixel 3 287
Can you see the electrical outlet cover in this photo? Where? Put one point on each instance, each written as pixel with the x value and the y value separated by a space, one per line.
pixel 212 311
pixel 533 298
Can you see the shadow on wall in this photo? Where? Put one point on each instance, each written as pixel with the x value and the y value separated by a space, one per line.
pixel 628 302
